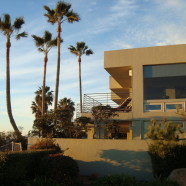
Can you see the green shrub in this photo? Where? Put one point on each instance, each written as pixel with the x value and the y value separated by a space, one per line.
pixel 166 157
pixel 18 166
pixel 62 169
pixel 40 181
pixel 159 183
pixel 126 180
pixel 119 180
pixel 164 130
pixel 45 143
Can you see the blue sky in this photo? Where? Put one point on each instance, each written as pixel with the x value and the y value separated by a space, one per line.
pixel 105 25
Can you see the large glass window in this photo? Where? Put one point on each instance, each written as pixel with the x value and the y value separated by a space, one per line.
pixel 164 81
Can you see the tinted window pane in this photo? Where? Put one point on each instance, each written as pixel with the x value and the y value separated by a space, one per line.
pixel 152 107
pixel 164 81
pixel 173 106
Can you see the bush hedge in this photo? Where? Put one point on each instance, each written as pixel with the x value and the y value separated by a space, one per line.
pixel 18 166
pixel 40 181
pixel 166 157
pixel 46 143
pixel 62 169
pixel 118 180
pixel 126 180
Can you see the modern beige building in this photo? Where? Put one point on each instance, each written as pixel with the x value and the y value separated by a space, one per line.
pixel 154 78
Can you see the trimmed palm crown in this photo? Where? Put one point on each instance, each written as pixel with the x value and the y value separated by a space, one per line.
pixel 45 43
pixel 8 29
pixel 80 49
pixel 61 13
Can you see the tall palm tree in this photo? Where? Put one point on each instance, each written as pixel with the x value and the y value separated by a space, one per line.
pixel 80 49
pixel 61 13
pixel 8 29
pixel 44 45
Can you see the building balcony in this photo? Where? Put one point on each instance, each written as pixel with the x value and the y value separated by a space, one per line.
pixel 120 102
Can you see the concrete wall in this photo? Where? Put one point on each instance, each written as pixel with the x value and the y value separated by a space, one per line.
pixel 103 157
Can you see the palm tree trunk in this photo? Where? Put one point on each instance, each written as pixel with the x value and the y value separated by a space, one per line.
pixel 8 99
pixel 58 65
pixel 44 82
pixel 80 87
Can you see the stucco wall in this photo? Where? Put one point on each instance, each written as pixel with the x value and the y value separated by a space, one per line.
pixel 117 62
pixel 103 157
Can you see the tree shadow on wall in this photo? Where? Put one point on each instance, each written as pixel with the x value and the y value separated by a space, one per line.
pixel 112 161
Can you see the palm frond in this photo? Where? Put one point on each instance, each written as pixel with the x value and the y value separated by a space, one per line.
pixel 6 24
pixel 52 43
pixel 7 18
pixel 89 52
pixel 47 9
pixel 40 49
pixel 84 49
pixel 23 34
pixel 38 40
pixel 50 15
pixel 47 36
pixel 18 23
pixel 6 28
pixel 73 50
pixel 80 46
pixel 72 16
pixel 62 9
pixel 51 19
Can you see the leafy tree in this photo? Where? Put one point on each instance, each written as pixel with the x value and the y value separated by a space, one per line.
pixel 43 124
pixel 102 114
pixel 63 115
pixel 112 129
pixel 37 104
pixel 80 127
pixel 34 132
pixel 80 49
pixel 44 45
pixel 11 136
pixel 65 111
pixel 7 137
pixel 61 13
pixel 8 29
pixel 83 120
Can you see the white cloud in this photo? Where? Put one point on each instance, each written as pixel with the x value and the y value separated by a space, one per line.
pixel 173 4
pixel 124 6
pixel 171 34
pixel 121 44
pixel 118 12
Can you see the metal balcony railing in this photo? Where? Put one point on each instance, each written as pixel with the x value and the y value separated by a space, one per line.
pixel 95 99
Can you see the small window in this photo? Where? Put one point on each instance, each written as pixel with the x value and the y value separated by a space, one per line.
pixel 152 107
pixel 173 106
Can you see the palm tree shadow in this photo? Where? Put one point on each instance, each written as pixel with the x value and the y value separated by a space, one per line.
pixel 112 161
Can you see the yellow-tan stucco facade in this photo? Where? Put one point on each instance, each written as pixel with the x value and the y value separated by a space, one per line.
pixel 126 69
